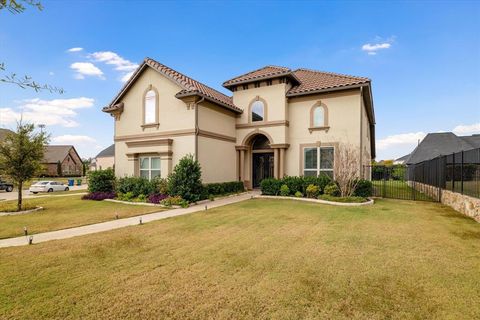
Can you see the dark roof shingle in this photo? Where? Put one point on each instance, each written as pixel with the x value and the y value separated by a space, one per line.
pixel 311 81
pixel 262 73
pixel 107 152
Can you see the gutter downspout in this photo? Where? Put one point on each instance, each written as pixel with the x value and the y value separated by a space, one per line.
pixel 361 132
pixel 197 129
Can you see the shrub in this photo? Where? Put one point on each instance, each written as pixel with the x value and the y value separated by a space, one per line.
pixel 332 190
pixel 101 181
pixel 157 197
pixel 136 186
pixel 298 194
pixel 294 184
pixel 312 191
pixel 160 185
pixel 172 201
pixel 129 196
pixel 141 198
pixel 270 186
pixel 321 182
pixel 364 189
pixel 223 188
pixel 98 196
pixel 185 181
pixel 284 190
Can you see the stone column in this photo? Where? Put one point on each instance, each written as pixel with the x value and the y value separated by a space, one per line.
pixel 275 163
pixel 282 163
pixel 242 165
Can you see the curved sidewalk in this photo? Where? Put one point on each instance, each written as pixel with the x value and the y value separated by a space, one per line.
pixel 116 224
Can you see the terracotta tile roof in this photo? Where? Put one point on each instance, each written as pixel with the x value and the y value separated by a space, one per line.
pixel 262 73
pixel 311 81
pixel 189 85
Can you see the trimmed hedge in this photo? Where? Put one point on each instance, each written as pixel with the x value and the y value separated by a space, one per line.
pixel 101 181
pixel 136 186
pixel 223 188
pixel 271 186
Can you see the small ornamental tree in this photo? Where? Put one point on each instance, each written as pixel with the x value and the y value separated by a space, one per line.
pixel 21 154
pixel 347 169
pixel 186 179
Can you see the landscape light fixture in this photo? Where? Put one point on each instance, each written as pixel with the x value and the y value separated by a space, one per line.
pixel 205 207
pixel 25 231
pixel 140 220
pixel 30 240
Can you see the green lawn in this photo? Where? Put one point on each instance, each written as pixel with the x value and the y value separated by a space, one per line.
pixel 259 259
pixel 64 212
pixel 397 189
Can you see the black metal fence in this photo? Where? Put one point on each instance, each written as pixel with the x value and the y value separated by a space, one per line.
pixel 457 172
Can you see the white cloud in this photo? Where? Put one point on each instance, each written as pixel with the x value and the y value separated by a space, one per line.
pixel 51 73
pixel 400 139
pixel 86 69
pixel 465 130
pixel 73 139
pixel 76 49
pixel 61 112
pixel 126 67
pixel 378 44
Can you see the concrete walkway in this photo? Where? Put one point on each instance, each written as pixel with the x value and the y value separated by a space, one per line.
pixel 116 224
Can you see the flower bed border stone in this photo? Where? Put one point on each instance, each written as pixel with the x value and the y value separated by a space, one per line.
pixel 333 203
pixel 14 213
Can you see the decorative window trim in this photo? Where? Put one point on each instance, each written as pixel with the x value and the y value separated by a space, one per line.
pixel 319 104
pixel 318 145
pixel 156 123
pixel 265 110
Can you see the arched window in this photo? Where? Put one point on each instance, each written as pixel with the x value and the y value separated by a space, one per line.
pixel 319 116
pixel 258 111
pixel 150 105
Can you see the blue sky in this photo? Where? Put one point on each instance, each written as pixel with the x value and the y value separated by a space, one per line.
pixel 423 58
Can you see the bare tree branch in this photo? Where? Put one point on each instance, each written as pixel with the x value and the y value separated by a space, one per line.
pixel 347 170
pixel 27 82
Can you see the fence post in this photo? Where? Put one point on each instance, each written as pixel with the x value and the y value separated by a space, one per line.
pixel 453 172
pixel 461 175
pixel 384 183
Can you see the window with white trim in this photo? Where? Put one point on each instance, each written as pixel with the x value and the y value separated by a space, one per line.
pixel 150 113
pixel 319 116
pixel 150 167
pixel 318 161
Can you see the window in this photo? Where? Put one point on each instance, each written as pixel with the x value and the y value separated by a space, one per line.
pixel 319 117
pixel 258 111
pixel 318 161
pixel 149 167
pixel 150 112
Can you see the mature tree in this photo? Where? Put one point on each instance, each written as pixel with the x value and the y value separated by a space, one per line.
pixel 18 6
pixel 347 169
pixel 21 154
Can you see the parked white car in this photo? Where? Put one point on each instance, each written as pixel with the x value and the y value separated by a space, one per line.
pixel 47 186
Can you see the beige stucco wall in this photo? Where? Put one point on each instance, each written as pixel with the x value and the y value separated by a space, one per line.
pixel 103 163
pixel 344 114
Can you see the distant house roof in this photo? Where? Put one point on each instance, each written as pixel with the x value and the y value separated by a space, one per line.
pixel 3 133
pixel 443 143
pixel 107 152
pixel 402 159
pixel 53 154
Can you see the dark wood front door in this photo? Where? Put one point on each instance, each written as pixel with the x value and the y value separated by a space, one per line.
pixel 262 167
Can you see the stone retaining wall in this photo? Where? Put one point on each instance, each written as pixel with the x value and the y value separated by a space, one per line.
pixel 467 205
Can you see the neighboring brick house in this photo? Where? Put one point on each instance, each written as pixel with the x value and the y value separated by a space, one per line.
pixel 67 156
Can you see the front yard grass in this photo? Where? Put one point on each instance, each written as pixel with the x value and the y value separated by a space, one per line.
pixel 64 212
pixel 258 259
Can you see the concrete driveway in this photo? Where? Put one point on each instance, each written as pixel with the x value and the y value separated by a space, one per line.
pixel 13 195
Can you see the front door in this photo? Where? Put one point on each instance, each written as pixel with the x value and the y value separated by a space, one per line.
pixel 262 167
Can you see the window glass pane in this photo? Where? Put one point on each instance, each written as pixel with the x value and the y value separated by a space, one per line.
pixel 318 117
pixel 150 101
pixel 144 163
pixel 144 174
pixel 155 173
pixel 310 173
pixel 156 163
pixel 258 111
pixel 310 158
pixel 326 158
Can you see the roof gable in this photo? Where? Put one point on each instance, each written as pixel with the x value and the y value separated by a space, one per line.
pixel 107 152
pixel 190 87
pixel 53 154
pixel 259 74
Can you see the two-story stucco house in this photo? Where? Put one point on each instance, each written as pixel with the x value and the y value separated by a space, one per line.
pixel 277 122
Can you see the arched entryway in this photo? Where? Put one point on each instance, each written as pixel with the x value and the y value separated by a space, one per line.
pixel 262 159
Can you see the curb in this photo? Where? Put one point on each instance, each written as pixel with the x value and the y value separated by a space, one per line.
pixel 333 203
